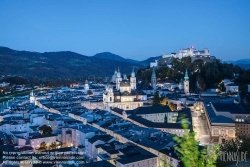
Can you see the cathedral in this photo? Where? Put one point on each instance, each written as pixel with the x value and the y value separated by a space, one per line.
pixel 124 95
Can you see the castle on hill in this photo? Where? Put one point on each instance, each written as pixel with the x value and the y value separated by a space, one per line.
pixel 195 54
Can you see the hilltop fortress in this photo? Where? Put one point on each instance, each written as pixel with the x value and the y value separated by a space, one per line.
pixel 167 59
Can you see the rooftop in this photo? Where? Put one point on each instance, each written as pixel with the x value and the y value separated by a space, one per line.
pixel 98 164
pixel 152 110
pixel 214 118
pixel 42 136
pixel 229 107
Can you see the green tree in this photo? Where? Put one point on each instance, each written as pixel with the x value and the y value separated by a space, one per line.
pixel 156 99
pixel 191 155
pixel 45 129
pixel 165 163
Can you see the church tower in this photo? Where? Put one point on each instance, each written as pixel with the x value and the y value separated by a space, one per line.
pixel 118 79
pixel 133 80
pixel 153 80
pixel 32 97
pixel 186 83
pixel 86 86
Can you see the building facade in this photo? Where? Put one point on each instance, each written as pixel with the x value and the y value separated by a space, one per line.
pixel 125 96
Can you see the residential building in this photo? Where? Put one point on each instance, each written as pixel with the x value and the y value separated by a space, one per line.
pixel 135 156
pixel 91 149
pixel 232 88
pixel 35 141
pixel 242 128
pixel 220 123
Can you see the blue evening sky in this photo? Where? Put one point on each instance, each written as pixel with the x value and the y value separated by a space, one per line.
pixel 135 29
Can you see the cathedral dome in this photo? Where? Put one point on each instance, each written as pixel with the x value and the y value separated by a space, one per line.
pixel 114 77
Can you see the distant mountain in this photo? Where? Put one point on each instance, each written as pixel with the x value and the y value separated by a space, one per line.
pixel 245 66
pixel 133 61
pixel 111 56
pixel 244 63
pixel 63 64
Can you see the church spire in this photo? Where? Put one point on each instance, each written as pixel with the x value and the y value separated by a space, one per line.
pixel 153 80
pixel 133 72
pixel 118 73
pixel 186 78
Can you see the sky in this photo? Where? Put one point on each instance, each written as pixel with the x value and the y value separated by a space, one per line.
pixel 132 29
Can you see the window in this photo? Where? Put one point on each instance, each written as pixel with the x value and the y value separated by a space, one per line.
pixel 216 131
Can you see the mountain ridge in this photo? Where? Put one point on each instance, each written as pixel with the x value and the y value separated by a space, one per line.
pixel 62 64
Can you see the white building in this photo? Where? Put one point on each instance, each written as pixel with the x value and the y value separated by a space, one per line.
pixel 192 52
pixel 35 141
pixel 10 126
pixel 157 114
pixel 91 149
pixel 232 88
pixel 77 135
pixel 125 96
pixel 154 64
pixel 3 84
pixel 221 119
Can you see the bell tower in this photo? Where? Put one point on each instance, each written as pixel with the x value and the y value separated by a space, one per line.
pixel 133 80
pixel 186 83
pixel 153 80
pixel 118 79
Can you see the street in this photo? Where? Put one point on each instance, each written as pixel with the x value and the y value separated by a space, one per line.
pixel 200 127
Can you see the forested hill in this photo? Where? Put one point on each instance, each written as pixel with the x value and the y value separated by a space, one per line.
pixel 201 73
pixel 55 65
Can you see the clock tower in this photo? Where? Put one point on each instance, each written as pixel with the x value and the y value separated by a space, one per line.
pixel 186 83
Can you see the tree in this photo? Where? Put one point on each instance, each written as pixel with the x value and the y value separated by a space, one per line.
pixel 89 93
pixel 156 99
pixel 43 145
pixel 45 129
pixel 172 106
pixel 53 145
pixel 191 155
pixel 164 102
pixel 165 163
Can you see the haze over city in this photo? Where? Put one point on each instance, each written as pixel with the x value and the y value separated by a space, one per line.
pixel 131 29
